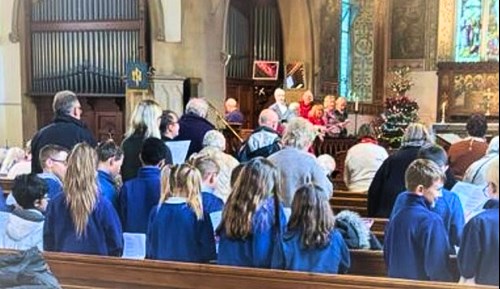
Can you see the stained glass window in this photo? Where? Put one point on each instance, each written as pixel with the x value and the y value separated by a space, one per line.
pixel 345 49
pixel 476 30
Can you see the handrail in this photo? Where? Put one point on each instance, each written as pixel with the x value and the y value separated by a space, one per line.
pixel 223 120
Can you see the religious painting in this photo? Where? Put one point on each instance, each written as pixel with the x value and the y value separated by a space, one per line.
pixel 265 70
pixel 295 77
pixel 408 35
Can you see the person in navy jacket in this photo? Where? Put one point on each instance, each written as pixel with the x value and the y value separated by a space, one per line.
pixel 53 159
pixel 311 244
pixel 479 252
pixel 66 130
pixel 179 230
pixel 253 217
pixel 416 243
pixel 81 220
pixel 110 162
pixel 209 171
pixel 194 125
pixel 139 195
pixel 447 205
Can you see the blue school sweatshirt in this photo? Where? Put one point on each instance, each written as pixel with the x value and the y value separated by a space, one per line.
pixel 478 256
pixel 175 234
pixel 211 203
pixel 449 208
pixel 291 255
pixel 137 197
pixel 107 187
pixel 3 205
pixel 416 243
pixel 103 234
pixel 257 249
pixel 54 184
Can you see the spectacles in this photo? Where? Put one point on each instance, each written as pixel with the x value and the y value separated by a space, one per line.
pixel 64 162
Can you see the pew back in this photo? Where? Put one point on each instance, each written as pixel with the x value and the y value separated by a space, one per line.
pixel 77 271
pixel 6 185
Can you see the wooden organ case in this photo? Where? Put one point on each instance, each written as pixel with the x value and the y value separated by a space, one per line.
pixel 83 46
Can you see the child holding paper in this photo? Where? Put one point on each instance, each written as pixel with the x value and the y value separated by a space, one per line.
pixel 178 228
pixel 312 244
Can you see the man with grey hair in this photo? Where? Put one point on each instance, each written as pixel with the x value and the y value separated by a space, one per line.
pixel 193 125
pixel 265 140
pixel 66 130
pixel 297 165
pixel 280 106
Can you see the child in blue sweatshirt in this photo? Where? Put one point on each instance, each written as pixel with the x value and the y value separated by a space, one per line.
pixel 479 252
pixel 81 220
pixel 209 170
pixel 53 162
pixel 110 162
pixel 140 194
pixel 252 218
pixel 416 242
pixel 447 205
pixel 179 230
pixel 311 243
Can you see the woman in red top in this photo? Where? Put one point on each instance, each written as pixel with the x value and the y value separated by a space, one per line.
pixel 305 105
pixel 316 115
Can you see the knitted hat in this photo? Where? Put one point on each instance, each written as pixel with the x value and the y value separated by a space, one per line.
pixel 416 135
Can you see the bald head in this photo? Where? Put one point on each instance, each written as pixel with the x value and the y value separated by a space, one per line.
pixel 269 118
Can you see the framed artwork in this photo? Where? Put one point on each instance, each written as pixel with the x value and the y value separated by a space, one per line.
pixel 295 77
pixel 265 70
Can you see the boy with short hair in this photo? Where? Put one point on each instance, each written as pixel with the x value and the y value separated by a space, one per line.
pixel 110 162
pixel 53 161
pixel 140 194
pixel 23 228
pixel 416 242
pixel 448 205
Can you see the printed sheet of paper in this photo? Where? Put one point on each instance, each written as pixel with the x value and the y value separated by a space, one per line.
pixel 134 246
pixel 179 150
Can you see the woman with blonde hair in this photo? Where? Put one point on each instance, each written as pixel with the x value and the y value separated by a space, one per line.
pixel 144 123
pixel 81 220
pixel 253 217
pixel 179 230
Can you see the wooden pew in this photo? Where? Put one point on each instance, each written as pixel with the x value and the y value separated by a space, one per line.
pixel 77 271
pixel 6 185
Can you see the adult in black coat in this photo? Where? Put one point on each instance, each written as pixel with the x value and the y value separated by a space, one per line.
pixel 144 123
pixel 194 125
pixel 66 129
pixel 389 181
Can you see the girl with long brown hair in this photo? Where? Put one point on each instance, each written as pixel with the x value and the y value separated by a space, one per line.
pixel 80 220
pixel 311 243
pixel 178 229
pixel 253 217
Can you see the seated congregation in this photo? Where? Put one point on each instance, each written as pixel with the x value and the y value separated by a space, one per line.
pixel 267 208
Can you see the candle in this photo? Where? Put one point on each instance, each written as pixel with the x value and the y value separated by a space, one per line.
pixel 356 104
pixel 443 111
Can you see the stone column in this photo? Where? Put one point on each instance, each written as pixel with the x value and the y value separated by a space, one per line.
pixel 169 92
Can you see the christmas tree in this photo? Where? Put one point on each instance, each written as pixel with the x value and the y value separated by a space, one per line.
pixel 400 110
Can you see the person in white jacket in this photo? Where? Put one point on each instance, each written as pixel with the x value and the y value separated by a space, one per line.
pixel 22 229
pixel 363 160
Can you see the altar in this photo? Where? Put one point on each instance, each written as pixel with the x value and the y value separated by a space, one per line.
pixel 449 133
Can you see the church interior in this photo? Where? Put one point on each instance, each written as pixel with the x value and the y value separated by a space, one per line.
pixel 392 63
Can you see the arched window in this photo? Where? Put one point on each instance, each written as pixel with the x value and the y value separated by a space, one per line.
pixel 477 28
pixel 348 14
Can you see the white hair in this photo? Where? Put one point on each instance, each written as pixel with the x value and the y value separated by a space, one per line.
pixel 197 106
pixel 327 163
pixel 299 133
pixel 214 139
